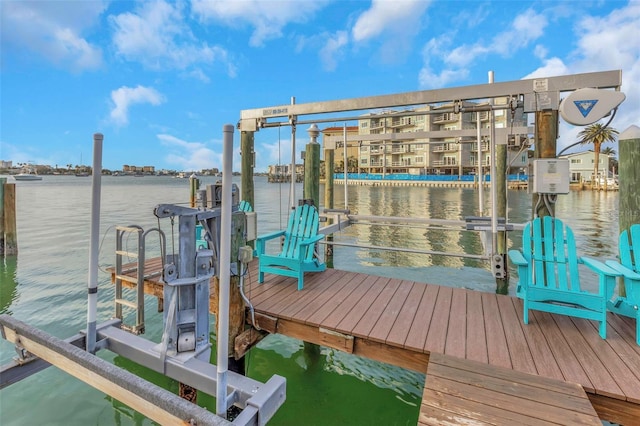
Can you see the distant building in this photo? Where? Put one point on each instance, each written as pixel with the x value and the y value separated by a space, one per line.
pixel 6 164
pixel 581 165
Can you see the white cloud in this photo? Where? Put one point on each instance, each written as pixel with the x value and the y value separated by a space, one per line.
pixel 333 49
pixel 267 17
pixel 551 68
pixel 394 22
pixel 604 43
pixel 124 97
pixel 428 78
pixel 190 156
pixel 157 36
pixel 53 30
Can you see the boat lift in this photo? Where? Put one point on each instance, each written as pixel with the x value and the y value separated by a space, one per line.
pixel 184 351
pixel 532 95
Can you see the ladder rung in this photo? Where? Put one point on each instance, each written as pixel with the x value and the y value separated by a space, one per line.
pixel 126 253
pixel 127 303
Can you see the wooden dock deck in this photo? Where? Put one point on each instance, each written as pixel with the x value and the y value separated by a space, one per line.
pixel 463 392
pixel 401 322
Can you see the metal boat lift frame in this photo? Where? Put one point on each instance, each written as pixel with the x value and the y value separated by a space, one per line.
pixel 183 355
pixel 532 95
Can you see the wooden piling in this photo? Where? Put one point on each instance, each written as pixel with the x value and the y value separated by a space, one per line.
pixel 3 181
pixel 328 199
pixel 246 149
pixel 10 232
pixel 236 303
pixel 629 177
pixel 545 147
pixel 312 172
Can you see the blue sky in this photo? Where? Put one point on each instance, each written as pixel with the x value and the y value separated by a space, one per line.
pixel 160 79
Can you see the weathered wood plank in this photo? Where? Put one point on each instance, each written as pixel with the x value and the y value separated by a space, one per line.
pixel 619 372
pixel 402 325
pixel 476 337
pixel 419 330
pixel 546 364
pixel 291 301
pixel 456 338
pixel 497 348
pixel 519 351
pixel 468 392
pixel 561 349
pixel 366 309
pixel 330 306
pixel 437 336
pixel 385 323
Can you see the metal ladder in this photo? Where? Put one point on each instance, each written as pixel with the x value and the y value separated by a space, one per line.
pixel 120 300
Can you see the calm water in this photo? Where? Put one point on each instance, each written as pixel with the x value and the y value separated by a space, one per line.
pixel 46 287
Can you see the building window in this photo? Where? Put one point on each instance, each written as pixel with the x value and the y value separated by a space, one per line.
pixel 364 161
pixel 576 161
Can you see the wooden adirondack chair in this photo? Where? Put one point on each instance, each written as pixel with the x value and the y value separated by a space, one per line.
pixel 629 267
pixel 548 274
pixel 297 256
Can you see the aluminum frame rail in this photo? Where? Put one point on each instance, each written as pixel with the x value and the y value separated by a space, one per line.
pixel 259 401
pixel 254 119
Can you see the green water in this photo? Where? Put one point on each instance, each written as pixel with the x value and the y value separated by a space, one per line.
pixel 45 286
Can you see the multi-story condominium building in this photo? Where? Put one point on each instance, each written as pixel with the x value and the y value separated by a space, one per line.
pixel 435 152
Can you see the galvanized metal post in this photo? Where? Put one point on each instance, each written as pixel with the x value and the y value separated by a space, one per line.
pixel 479 168
pixel 292 184
pixel 328 199
pixel 225 275
pixel 346 196
pixel 94 240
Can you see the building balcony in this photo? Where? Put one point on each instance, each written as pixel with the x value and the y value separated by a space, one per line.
pixel 446 148
pixel 440 163
pixel 485 147
pixel 484 116
pixel 448 117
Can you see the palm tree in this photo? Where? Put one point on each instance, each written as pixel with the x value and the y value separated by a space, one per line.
pixel 597 134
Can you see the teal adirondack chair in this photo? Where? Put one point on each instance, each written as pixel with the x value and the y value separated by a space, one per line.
pixel 548 274
pixel 629 267
pixel 297 255
pixel 245 206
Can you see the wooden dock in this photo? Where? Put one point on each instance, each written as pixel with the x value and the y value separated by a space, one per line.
pixel 401 322
pixel 464 392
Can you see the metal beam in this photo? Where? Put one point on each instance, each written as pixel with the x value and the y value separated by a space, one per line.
pixel 152 401
pixel 251 118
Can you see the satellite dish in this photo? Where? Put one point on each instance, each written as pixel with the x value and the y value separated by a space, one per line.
pixel 586 106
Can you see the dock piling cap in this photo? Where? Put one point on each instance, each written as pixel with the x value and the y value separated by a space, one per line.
pixel 631 132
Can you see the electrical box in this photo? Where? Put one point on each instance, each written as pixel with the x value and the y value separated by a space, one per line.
pixel 550 176
pixel 252 226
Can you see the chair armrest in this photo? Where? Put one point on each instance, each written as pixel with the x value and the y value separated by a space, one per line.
pixel 312 240
pixel 517 258
pixel 270 236
pixel 599 267
pixel 623 270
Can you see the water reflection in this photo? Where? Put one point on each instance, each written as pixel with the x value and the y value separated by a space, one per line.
pixel 8 283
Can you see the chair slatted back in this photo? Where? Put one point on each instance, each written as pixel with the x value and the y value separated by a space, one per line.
pixel 303 224
pixel 551 247
pixel 629 247
pixel 245 206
